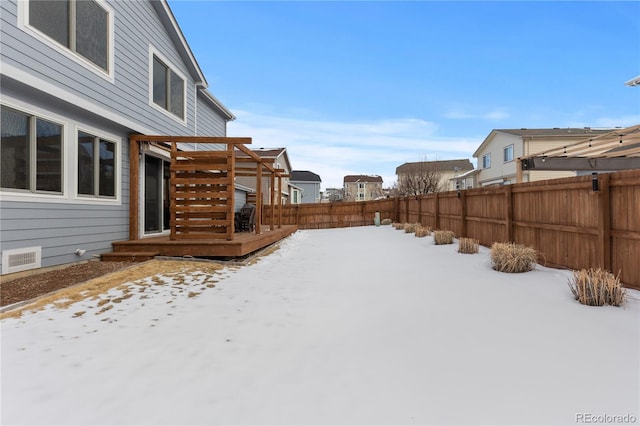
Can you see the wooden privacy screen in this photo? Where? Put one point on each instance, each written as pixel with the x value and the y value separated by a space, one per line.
pixel 202 194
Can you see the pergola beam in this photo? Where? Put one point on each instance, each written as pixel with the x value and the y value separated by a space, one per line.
pixel 580 163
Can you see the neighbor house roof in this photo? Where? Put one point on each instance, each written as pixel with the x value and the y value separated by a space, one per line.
pixel 441 166
pixel 633 82
pixel 268 153
pixel 304 176
pixel 569 133
pixel 362 178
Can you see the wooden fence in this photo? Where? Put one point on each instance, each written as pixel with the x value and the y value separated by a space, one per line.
pixel 570 224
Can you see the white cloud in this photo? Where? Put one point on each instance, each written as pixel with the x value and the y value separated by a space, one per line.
pixel 494 115
pixel 334 149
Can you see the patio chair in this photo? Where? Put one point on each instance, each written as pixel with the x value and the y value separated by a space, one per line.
pixel 247 218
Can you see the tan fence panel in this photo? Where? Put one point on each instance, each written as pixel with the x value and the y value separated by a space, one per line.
pixel 569 223
pixel 624 190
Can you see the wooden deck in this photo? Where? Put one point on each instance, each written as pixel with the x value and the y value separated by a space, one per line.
pixel 242 244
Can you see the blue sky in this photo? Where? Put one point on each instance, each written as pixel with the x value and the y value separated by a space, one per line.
pixel 361 87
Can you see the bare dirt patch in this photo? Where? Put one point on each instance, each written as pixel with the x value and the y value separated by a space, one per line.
pixel 89 280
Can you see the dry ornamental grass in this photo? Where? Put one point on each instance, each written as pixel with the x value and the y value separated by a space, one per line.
pixel 468 246
pixel 422 231
pixel 443 237
pixel 410 228
pixel 597 287
pixel 386 222
pixel 513 258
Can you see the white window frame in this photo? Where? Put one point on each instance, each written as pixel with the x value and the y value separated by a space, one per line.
pixel 69 160
pixel 32 191
pixel 505 151
pixel 486 161
pixel 154 52
pixel 97 171
pixel 23 24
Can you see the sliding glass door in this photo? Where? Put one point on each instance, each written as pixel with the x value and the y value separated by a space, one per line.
pixel 156 195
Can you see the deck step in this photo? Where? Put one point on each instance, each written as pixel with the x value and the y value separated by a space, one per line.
pixel 129 256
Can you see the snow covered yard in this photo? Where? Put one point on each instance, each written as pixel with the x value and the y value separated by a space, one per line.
pixel 343 326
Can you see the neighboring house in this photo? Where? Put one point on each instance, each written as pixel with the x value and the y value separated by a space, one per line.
pixel 295 194
pixel 71 96
pixel 334 194
pixel 444 171
pixel 310 184
pixel 280 160
pixel 362 187
pixel 498 152
pixel 466 180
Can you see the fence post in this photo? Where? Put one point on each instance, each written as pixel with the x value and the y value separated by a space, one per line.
pixel 436 212
pixel 604 222
pixel 396 209
pixel 419 200
pixel 508 220
pixel 463 213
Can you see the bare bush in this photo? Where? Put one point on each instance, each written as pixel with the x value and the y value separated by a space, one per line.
pixel 422 231
pixel 513 258
pixel 597 287
pixel 443 237
pixel 468 245
pixel 410 228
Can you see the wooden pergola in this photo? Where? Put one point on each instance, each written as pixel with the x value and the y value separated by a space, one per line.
pixel 616 150
pixel 202 186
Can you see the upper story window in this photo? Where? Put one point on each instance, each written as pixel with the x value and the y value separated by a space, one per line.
pixel 486 161
pixel 168 88
pixel 82 26
pixel 31 153
pixel 508 153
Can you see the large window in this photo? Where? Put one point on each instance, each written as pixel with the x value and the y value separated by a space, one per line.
pixel 508 153
pixel 31 152
pixel 79 25
pixel 96 166
pixel 168 88
pixel 486 161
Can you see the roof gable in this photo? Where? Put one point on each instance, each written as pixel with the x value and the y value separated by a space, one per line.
pixel 304 176
pixel 439 166
pixel 532 134
pixel 363 179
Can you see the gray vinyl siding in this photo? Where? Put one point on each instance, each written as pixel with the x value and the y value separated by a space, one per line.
pixel 136 26
pixel 310 191
pixel 239 200
pixel 88 227
pixel 209 121
pixel 61 227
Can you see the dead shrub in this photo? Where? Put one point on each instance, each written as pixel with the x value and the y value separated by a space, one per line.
pixel 597 287
pixel 513 258
pixel 422 231
pixel 468 245
pixel 410 228
pixel 398 226
pixel 385 222
pixel 443 237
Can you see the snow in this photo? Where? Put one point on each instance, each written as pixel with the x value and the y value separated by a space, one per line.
pixel 363 325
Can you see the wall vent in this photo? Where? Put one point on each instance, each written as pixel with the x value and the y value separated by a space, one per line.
pixel 21 259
